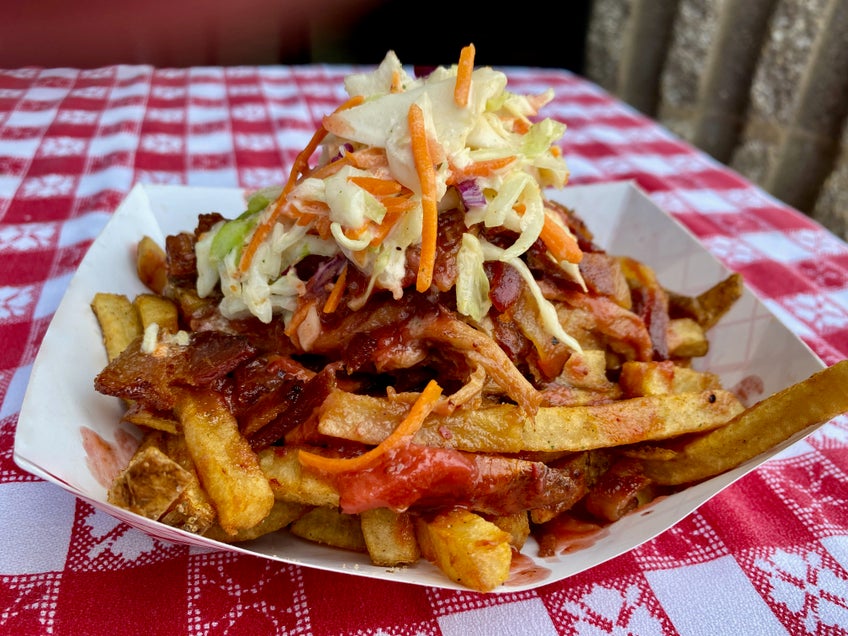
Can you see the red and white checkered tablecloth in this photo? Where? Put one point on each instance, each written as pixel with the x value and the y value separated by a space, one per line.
pixel 769 555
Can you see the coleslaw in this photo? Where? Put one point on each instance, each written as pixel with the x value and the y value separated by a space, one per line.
pixel 402 151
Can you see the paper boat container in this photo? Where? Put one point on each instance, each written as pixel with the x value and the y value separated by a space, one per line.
pixel 749 346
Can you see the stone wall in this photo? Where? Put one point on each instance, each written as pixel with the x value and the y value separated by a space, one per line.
pixel 761 85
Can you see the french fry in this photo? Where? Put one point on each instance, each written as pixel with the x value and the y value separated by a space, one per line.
pixel 119 322
pixel 517 525
pixel 758 428
pixel 290 482
pixel 157 309
pixel 227 466
pixel 330 527
pixel 708 307
pixel 467 548
pixel 663 378
pixel 148 419
pixel 151 266
pixel 389 537
pixel 192 510
pixel 507 429
pixel 160 483
pixel 647 451
pixel 587 369
pixel 150 484
pixel 282 514
pixel 686 339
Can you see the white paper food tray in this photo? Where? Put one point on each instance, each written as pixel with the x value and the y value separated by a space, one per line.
pixel 60 401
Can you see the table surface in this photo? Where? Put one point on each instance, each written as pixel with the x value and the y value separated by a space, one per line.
pixel 769 555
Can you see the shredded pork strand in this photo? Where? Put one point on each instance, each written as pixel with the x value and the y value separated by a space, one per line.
pixel 480 350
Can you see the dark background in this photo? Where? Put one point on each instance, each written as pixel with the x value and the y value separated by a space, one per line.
pixel 182 33
pixel 547 34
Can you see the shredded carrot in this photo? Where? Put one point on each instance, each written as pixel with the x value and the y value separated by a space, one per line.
pixel 299 316
pixel 560 243
pixel 396 86
pixel 356 232
pixel 336 293
pixel 397 205
pixel 322 227
pixel 427 177
pixel 306 212
pixel 382 230
pixel 356 100
pixel 305 219
pixel 299 167
pixel 371 158
pixel 389 220
pixel 377 187
pixel 482 168
pixel 329 169
pixel 463 76
pixel 520 126
pixel 403 433
pixel 259 234
pixel 312 208
pixel 394 197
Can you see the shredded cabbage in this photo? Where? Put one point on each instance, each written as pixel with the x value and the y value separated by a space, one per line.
pixel 472 284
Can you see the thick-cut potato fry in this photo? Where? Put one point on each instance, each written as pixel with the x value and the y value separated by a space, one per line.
pixel 708 307
pixel 662 378
pixel 647 451
pixel 390 537
pixel 467 548
pixel 150 484
pixel 517 525
pixel 191 510
pixel 119 322
pixel 290 482
pixel 758 428
pixel 148 419
pixel 282 514
pixel 686 339
pixel 330 527
pixel 507 429
pixel 227 466
pixel 587 369
pixel 157 309
pixel 151 266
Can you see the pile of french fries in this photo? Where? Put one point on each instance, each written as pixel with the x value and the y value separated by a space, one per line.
pixel 194 468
